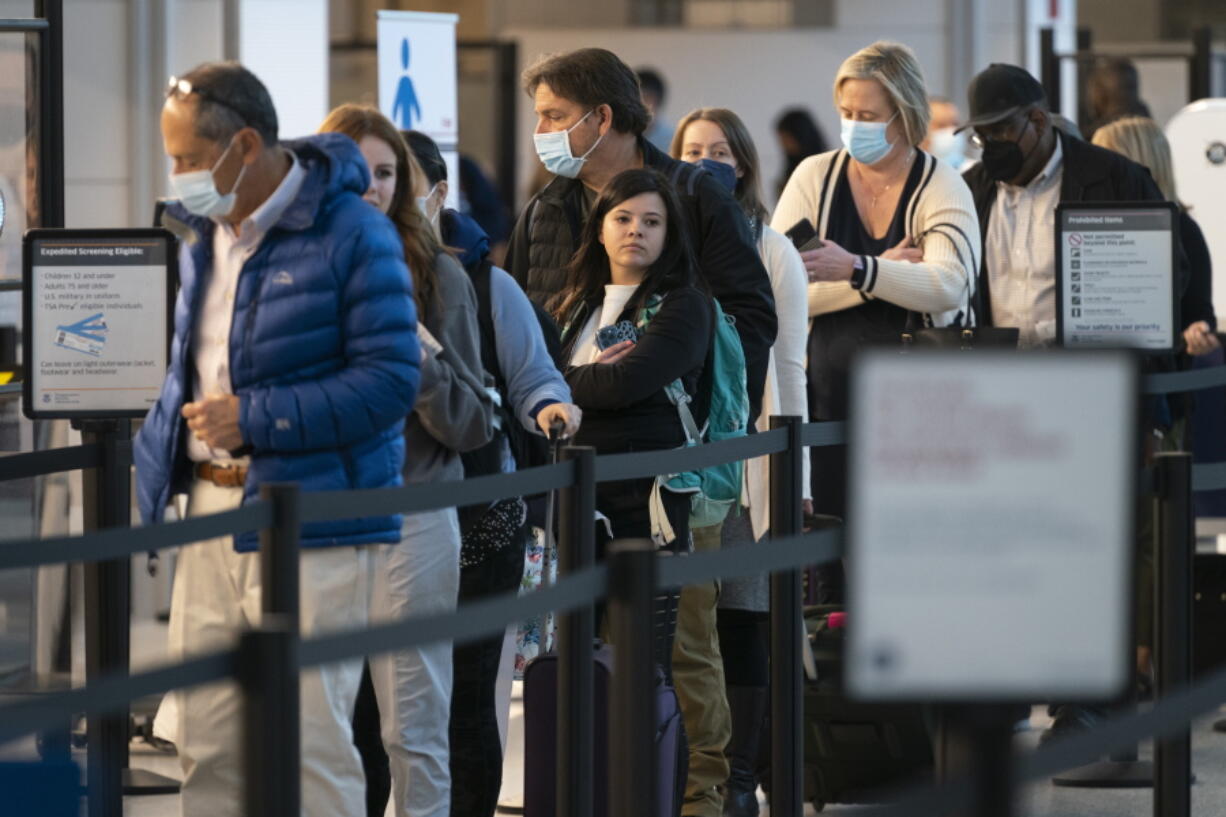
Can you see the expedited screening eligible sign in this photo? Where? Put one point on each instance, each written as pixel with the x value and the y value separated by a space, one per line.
pixel 1115 283
pixel 96 321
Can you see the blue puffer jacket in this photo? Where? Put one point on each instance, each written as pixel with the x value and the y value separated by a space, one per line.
pixel 323 351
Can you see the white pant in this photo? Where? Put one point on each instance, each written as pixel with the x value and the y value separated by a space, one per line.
pixel 418 577
pixel 217 596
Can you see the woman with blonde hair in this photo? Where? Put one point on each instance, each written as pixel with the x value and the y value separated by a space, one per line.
pixel 717 139
pixel 453 414
pixel 1139 138
pixel 896 242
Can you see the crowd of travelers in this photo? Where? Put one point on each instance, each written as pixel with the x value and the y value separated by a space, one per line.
pixel 340 327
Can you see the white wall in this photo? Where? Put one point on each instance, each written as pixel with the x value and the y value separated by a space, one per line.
pixel 285 43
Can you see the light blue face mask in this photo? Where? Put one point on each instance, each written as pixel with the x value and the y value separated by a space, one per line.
pixel 866 141
pixel 554 151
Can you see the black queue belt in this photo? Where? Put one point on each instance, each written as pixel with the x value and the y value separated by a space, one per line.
pixel 324 506
pixel 618 467
pixel 1191 380
pixel 49 461
pixel 765 556
pixel 1209 476
pixel 110 693
pixel 121 542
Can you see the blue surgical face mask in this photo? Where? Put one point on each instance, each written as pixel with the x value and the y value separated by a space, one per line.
pixel 197 190
pixel 948 146
pixel 555 154
pixel 723 172
pixel 866 141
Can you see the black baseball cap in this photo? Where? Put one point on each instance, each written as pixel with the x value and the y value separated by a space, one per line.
pixel 999 92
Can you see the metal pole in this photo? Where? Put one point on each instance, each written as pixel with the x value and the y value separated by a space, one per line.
pixel 632 700
pixel 1083 69
pixel 1049 67
pixel 268 674
pixel 576 631
pixel 1200 67
pixel 1173 627
pixel 787 632
pixel 107 499
pixel 51 107
pixel 269 666
pixel 279 551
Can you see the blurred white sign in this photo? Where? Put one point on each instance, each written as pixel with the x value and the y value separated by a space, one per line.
pixel 991 525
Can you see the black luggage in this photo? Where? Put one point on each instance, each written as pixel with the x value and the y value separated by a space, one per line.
pixel 854 751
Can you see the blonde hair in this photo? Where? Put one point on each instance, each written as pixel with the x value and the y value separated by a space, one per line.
pixel 895 66
pixel 748 188
pixel 1139 138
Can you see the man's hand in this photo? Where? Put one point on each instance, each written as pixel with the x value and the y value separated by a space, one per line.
pixel 568 413
pixel 214 421
pixel 1200 339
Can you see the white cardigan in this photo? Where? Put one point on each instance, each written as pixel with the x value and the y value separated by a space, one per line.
pixel 940 285
pixel 786 392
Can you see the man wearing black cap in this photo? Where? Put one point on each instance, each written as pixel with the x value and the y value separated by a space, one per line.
pixel 1029 167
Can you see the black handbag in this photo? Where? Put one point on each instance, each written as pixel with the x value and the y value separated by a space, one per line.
pixel 960 337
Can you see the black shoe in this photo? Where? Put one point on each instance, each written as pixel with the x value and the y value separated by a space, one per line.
pixel 1069 719
pixel 748 708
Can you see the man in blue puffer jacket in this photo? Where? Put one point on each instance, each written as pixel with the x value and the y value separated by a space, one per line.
pixel 295 359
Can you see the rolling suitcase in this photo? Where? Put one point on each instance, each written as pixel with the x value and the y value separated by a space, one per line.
pixel 853 750
pixel 541 729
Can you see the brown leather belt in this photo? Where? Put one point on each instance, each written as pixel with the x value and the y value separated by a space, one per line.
pixel 223 476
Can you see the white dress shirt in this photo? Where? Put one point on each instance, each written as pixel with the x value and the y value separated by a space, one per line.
pixel 211 341
pixel 1021 254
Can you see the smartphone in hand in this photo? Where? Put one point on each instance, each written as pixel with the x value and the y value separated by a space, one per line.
pixel 615 333
pixel 804 236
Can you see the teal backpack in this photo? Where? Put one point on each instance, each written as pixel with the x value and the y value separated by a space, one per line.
pixel 716 489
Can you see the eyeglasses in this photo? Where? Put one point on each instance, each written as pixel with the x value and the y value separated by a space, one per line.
pixel 995 132
pixel 182 88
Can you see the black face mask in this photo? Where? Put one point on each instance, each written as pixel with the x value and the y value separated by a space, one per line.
pixel 1002 159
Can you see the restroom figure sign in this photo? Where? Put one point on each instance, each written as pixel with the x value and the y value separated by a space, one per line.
pixel 406 106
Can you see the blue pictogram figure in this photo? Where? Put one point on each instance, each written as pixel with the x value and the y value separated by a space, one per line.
pixel 406 106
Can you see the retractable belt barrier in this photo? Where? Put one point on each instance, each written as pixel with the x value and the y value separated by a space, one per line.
pixel 579 589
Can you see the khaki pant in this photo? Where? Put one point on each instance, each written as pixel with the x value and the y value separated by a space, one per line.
pixel 698 675
pixel 217 596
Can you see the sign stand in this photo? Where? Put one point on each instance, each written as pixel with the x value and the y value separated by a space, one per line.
pixel 977 741
pixel 96 308
pixel 108 584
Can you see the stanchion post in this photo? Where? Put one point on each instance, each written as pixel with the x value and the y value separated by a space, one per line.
pixel 269 666
pixel 107 497
pixel 1173 627
pixel 268 674
pixel 632 702
pixel 279 545
pixel 576 631
pixel 787 632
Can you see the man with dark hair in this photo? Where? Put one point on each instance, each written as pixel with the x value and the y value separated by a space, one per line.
pixel 654 92
pixel 295 359
pixel 1113 91
pixel 591 119
pixel 590 123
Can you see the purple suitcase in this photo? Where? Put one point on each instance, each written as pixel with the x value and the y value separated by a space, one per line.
pixel 540 739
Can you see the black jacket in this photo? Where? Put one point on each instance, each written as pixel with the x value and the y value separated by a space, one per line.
pixel 548 232
pixel 624 404
pixel 1090 174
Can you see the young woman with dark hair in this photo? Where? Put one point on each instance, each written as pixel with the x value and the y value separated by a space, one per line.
pixel 635 256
